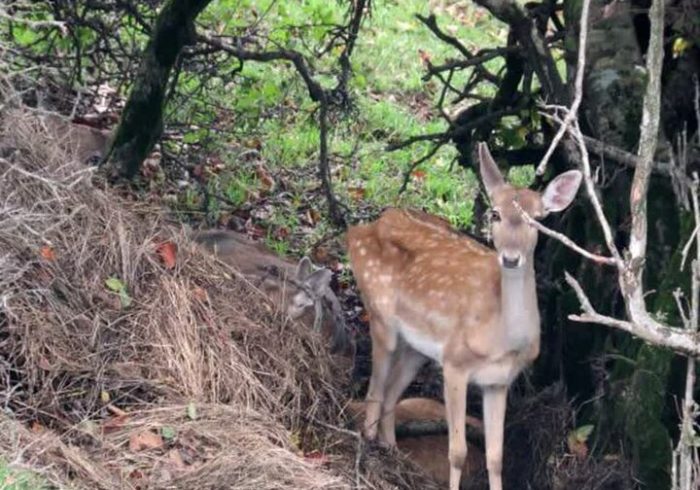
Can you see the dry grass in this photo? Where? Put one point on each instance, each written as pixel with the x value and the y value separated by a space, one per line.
pixel 232 395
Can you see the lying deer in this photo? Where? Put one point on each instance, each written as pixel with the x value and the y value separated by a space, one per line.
pixel 303 291
pixel 432 293
pixel 425 450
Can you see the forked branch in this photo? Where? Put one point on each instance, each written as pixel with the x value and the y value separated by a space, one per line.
pixel 630 268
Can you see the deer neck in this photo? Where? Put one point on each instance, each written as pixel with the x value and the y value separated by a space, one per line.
pixel 520 316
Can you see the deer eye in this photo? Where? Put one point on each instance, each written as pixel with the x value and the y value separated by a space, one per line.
pixel 495 215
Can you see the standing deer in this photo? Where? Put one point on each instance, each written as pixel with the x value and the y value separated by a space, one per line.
pixel 303 291
pixel 432 293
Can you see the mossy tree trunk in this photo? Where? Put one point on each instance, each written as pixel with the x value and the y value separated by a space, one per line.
pixel 142 119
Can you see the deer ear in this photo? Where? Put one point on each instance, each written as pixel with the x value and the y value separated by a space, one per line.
pixel 490 174
pixel 561 191
pixel 304 269
pixel 319 281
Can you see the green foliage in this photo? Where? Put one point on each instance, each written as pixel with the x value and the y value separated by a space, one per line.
pixel 19 479
pixel 270 101
pixel 168 432
pixel 117 286
pixel 522 176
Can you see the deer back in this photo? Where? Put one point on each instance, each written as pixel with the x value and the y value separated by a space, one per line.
pixel 441 288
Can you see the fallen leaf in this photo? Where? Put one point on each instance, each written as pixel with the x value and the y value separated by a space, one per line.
pixel 295 439
pixel 175 459
pixel 168 432
pixel 578 449
pixel 47 253
pixel 357 193
pixel 116 285
pixel 576 441
pixel 192 411
pixel 321 254
pixel 266 180
pixel 418 174
pixel 145 440
pixel 317 457
pixel 424 57
pixel 255 231
pixel 313 216
pixel 281 233
pixel 114 424
pixel 44 364
pixel 200 294
pixel 168 254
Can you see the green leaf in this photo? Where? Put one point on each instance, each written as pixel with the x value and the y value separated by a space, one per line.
pixel 583 432
pixel 192 411
pixel 115 284
pixel 124 298
pixel 168 432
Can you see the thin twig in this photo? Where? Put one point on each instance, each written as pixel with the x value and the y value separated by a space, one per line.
pixel 424 158
pixel 593 197
pixel 599 259
pixel 578 88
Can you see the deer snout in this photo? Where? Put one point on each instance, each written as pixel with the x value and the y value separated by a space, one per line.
pixel 511 260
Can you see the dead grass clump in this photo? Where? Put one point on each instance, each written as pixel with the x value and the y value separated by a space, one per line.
pixel 99 341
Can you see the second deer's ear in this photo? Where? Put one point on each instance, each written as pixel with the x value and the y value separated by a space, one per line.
pixel 319 281
pixel 490 174
pixel 304 269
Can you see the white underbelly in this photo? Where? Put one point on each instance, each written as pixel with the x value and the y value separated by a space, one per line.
pixel 422 343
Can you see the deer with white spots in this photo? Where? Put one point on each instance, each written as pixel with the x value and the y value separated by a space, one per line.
pixel 433 293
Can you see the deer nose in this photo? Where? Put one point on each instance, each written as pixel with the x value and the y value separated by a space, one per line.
pixel 510 262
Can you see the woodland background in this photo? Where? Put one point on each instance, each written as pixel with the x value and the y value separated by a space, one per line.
pixel 291 120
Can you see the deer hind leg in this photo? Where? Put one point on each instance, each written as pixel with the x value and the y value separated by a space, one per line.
pixel 383 346
pixel 407 362
pixel 495 398
pixel 455 408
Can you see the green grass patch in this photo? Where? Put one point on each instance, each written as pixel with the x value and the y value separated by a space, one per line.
pixel 19 479
pixel 392 102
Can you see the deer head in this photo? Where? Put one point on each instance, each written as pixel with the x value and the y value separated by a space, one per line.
pixel 513 238
pixel 302 290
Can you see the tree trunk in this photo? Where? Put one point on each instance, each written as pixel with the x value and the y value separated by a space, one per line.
pixel 142 119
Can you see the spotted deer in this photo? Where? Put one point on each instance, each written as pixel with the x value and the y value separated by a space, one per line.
pixel 433 293
pixel 302 290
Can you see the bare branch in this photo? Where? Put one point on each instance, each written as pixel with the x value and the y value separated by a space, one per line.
pixel 593 196
pixel 599 259
pixel 647 145
pixel 578 87
pixel 644 326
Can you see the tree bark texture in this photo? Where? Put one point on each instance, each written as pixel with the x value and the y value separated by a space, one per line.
pixel 142 119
